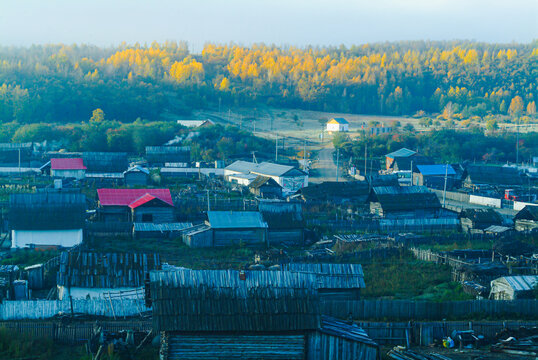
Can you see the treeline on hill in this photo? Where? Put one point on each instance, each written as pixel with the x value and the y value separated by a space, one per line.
pixel 59 83
pixel 99 134
pixel 444 146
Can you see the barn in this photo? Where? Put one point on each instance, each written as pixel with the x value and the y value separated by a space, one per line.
pixel 404 201
pixel 229 314
pixel 136 205
pixel 47 219
pixel 105 162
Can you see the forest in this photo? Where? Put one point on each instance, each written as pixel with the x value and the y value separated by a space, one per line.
pixel 65 83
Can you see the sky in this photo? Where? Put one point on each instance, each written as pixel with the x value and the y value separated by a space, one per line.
pixel 280 22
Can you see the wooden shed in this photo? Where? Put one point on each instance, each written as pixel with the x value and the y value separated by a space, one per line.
pixel 229 314
pixel 514 287
pixel 285 222
pixel 404 201
pixel 527 219
pixel 174 156
pixel 105 162
pixel 265 187
pixel 237 227
pixel 336 192
pixel 136 176
pixel 477 220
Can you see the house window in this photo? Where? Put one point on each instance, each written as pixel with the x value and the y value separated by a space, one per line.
pixel 147 217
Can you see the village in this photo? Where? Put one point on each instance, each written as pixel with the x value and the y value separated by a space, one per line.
pixel 269 255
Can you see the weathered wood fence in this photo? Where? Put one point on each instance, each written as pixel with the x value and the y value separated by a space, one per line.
pixel 425 333
pixel 394 310
pixel 45 309
pixel 75 332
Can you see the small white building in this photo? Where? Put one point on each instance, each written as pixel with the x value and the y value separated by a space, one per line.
pixel 68 168
pixel 514 287
pixel 337 125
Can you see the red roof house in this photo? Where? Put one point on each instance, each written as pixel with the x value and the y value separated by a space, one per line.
pixel 132 197
pixel 136 205
pixel 67 164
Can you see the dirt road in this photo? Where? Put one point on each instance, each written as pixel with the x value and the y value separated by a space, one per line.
pixel 324 168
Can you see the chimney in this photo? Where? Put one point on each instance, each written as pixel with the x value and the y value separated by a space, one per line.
pixel 242 275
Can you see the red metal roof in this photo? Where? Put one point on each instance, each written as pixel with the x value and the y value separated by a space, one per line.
pixel 67 164
pixel 127 197
pixel 142 200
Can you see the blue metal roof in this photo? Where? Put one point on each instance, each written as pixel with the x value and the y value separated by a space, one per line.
pixel 521 283
pixel 436 170
pixel 403 152
pixel 235 219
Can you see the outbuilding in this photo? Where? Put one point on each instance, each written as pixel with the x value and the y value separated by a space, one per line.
pixel 527 219
pixel 136 176
pixel 265 187
pixel 68 168
pixel 47 219
pixel 514 287
pixel 237 227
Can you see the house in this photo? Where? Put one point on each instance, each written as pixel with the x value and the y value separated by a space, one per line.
pixel 172 156
pixel 84 275
pixel 336 192
pixel 479 175
pixel 265 187
pixel 68 168
pixel 105 162
pixel 237 227
pixel 337 125
pixel 334 281
pixel 514 287
pixel 401 153
pixel 136 176
pixel 136 205
pixel 433 176
pixel 527 219
pixel 285 222
pixel 290 178
pixel 404 201
pixel 477 220
pixel 254 315
pixel 195 123
pixel 47 219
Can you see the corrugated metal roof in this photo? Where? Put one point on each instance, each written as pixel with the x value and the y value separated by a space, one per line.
pixel 436 170
pixel 137 168
pixel 403 152
pixel 496 229
pixel 67 164
pixel 235 219
pixel 167 149
pixel 267 168
pixel 331 276
pixel 124 197
pixel 161 227
pixel 241 166
pixel 396 190
pixel 521 283
pixel 344 329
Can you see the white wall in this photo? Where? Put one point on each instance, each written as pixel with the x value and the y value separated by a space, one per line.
pixel 65 238
pixel 99 293
pixel 519 205
pixel 337 127
pixel 77 174
pixel 487 201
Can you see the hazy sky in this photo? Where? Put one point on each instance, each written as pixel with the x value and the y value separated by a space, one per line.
pixel 288 22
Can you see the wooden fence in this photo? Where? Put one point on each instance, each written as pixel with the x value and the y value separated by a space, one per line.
pixel 75 332
pixel 394 310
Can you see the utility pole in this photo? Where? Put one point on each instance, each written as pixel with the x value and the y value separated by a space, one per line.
pixel 19 160
pixel 365 158
pixel 276 148
pixel 517 141
pixel 240 121
pixel 208 202
pixel 254 127
pixel 304 155
pixel 444 189
pixel 219 104
pixel 337 164
pixel 411 172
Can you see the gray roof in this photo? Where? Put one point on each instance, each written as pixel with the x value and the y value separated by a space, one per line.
pixel 264 168
pixel 235 219
pixel 331 276
pixel 161 227
pixel 241 166
pixel 166 149
pixel 520 283
pixel 496 229
pixel 196 229
pixel 403 152
pixel 345 329
pixel 137 168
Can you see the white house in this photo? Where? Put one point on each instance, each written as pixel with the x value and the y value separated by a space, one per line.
pixel 290 178
pixel 337 125
pixel 68 168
